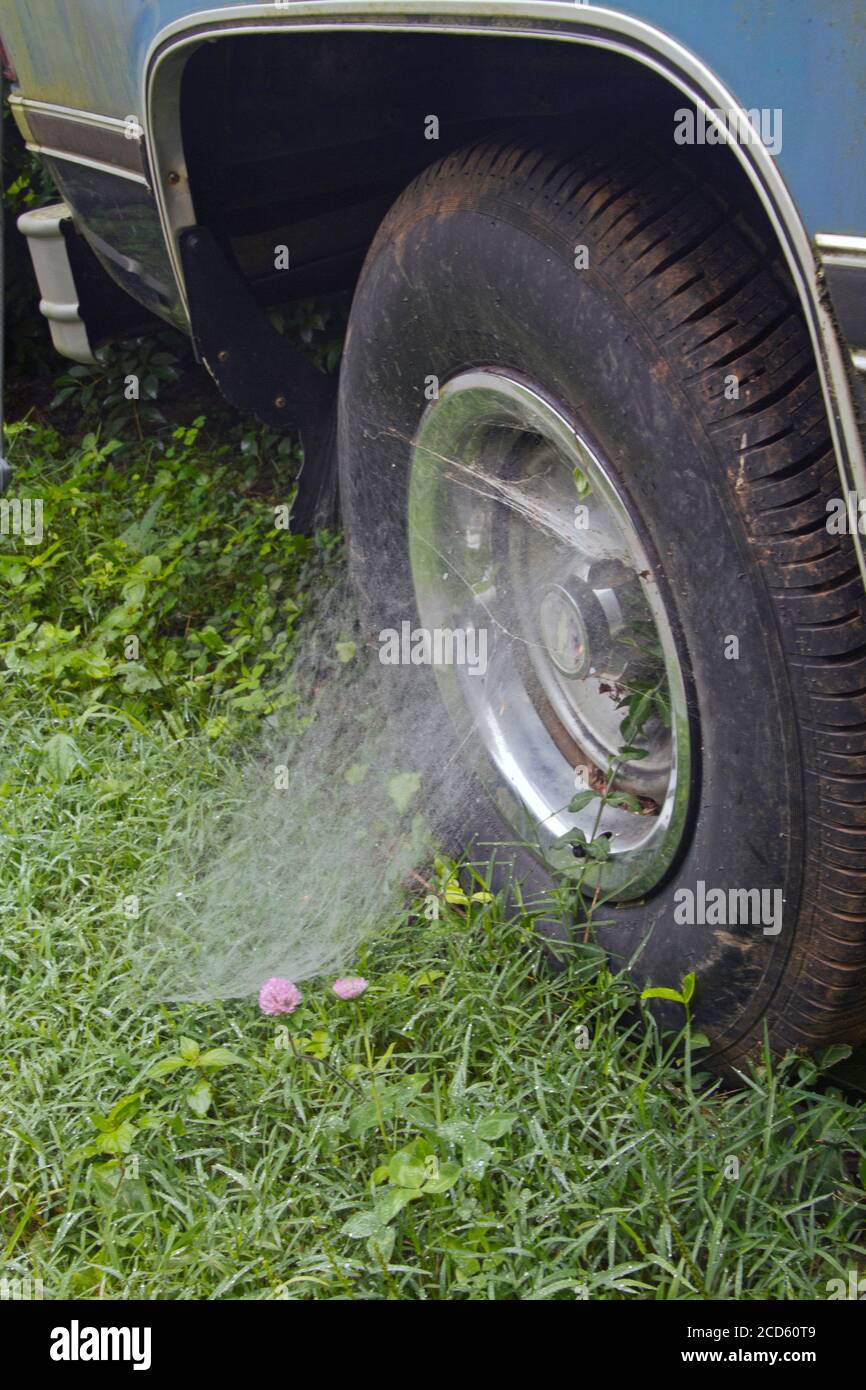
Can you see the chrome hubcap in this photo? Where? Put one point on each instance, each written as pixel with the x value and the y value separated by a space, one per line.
pixel 518 531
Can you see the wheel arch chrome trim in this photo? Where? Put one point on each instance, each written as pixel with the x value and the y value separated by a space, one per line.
pixel 551 20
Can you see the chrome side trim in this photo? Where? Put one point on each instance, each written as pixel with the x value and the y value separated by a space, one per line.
pixel 546 19
pixel 70 113
pixel 830 242
pixel 842 250
pixel 105 143
pixel 117 170
pixel 845 258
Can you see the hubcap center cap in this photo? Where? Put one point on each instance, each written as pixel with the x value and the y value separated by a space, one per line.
pixel 573 632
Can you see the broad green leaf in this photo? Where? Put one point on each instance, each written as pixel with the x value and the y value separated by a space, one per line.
pixel 599 849
pixel 200 1099
pixel 61 757
pixel 625 800
pixel 220 1057
pixel 210 638
pixel 445 1178
pixel 167 1065
pixel 640 709
pixel 381 1245
pixel 832 1056
pixel 454 894
pixel 456 1131
pixel 118 1140
pixel 495 1126
pixel 406 1169
pixel 662 993
pixel 403 787
pixel 151 565
pixel 363 1225
pixel 393 1201
pixel 425 978
pixel 393 1100
pixel 476 1156
pixel 137 680
pixel 581 482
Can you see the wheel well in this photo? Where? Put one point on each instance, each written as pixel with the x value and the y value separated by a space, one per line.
pixel 304 140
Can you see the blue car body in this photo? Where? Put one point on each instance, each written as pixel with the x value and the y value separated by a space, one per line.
pixel 807 59
pixel 100 92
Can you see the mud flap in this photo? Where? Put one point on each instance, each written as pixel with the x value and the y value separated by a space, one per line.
pixel 257 370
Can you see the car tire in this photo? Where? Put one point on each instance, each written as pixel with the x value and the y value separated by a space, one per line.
pixel 645 312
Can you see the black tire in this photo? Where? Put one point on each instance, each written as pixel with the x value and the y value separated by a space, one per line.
pixel 475 265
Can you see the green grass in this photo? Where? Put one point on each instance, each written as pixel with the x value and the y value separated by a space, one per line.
pixel 474 1127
